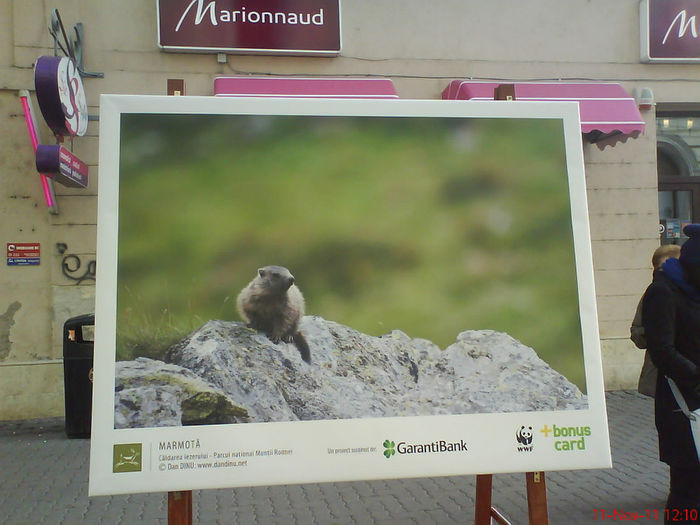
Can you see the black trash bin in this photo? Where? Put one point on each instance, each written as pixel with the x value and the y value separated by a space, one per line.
pixel 78 350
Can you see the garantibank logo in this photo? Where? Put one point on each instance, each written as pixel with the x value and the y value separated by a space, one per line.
pixel 567 439
pixel 435 447
pixel 389 448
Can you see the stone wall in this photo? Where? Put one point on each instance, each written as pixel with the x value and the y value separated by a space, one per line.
pixel 421 47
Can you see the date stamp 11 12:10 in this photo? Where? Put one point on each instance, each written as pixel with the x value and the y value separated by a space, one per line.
pixel 661 515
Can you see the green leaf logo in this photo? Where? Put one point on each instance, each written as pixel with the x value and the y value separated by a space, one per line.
pixel 389 448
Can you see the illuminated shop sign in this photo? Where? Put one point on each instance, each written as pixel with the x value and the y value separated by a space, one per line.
pixel 295 27
pixel 61 95
pixel 62 166
pixel 62 101
pixel 669 31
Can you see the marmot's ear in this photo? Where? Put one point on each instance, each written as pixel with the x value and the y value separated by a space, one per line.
pixel 261 272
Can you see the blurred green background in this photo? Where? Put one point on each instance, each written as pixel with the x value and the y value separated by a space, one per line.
pixel 428 225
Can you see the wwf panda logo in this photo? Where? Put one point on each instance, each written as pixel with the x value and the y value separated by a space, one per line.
pixel 524 435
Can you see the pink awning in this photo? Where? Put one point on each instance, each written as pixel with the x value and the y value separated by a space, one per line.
pixel 607 111
pixel 314 87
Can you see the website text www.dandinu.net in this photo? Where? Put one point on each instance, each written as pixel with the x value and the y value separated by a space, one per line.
pixel 215 459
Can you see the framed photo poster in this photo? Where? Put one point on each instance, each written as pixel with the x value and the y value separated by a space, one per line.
pixel 309 290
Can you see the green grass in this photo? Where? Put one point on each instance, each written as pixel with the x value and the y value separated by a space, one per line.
pixel 428 226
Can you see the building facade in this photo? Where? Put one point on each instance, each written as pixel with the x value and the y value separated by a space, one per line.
pixel 421 47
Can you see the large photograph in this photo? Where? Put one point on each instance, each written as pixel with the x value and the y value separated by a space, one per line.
pixel 281 262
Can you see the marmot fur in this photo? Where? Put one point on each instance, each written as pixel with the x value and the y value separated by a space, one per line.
pixel 272 303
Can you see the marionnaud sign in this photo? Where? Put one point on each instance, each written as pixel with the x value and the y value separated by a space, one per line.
pixel 669 30
pixel 275 27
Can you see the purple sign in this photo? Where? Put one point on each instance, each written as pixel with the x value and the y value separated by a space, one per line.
pixel 274 27
pixel 669 30
pixel 61 95
pixel 61 165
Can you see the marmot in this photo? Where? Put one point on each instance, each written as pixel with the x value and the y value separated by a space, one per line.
pixel 272 303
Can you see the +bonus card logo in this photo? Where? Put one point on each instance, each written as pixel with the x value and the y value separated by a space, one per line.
pixel 574 437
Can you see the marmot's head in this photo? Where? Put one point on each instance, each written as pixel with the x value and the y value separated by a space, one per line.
pixel 276 279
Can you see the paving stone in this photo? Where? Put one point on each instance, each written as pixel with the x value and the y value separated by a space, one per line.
pixel 43 476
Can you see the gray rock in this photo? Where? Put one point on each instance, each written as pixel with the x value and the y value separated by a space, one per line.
pixel 352 375
pixel 151 393
pixel 227 373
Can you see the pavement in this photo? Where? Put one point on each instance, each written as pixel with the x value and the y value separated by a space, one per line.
pixel 44 477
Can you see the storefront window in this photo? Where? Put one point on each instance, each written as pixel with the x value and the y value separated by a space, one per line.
pixel 678 169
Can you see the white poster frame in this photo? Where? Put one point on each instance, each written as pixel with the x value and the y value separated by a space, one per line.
pixel 489 439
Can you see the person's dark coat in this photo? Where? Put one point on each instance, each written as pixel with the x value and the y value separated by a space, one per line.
pixel 671 321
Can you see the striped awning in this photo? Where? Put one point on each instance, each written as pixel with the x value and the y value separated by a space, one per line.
pixel 608 113
pixel 312 87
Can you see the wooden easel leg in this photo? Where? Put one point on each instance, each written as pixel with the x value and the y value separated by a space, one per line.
pixel 482 514
pixel 180 508
pixel 537 498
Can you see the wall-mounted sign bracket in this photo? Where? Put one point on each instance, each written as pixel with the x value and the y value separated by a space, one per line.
pixel 73 47
pixel 77 45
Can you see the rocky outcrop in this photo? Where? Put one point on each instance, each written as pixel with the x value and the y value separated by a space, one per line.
pixel 227 373
pixel 151 393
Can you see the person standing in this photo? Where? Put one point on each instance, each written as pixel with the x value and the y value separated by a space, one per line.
pixel 671 319
pixel 647 377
